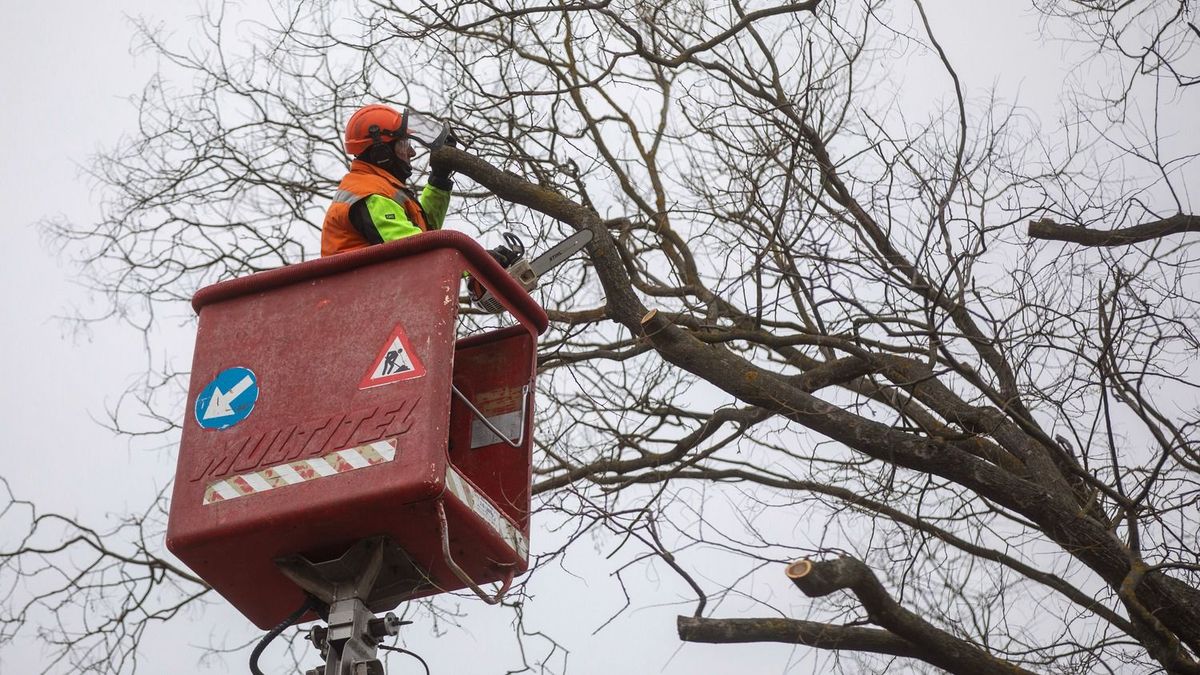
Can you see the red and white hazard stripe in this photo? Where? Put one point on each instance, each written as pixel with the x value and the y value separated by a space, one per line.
pixel 507 530
pixel 300 471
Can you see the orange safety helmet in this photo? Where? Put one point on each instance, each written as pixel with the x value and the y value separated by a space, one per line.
pixel 375 123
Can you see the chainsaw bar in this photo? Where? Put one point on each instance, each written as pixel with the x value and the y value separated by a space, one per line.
pixel 527 272
pixel 560 252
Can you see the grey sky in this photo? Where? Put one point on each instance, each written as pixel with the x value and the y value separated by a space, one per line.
pixel 67 69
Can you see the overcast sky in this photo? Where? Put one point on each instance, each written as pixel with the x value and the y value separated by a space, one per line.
pixel 67 69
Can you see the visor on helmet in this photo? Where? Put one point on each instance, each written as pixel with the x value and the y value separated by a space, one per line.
pixel 426 130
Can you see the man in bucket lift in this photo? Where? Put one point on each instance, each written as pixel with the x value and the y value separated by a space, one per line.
pixel 374 203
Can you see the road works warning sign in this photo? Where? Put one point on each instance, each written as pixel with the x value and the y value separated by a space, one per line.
pixel 396 361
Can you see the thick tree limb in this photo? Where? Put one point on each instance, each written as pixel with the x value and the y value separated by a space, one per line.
pixel 794 631
pixel 818 579
pixel 1048 229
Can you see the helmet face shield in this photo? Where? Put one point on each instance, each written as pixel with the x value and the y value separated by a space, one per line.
pixel 426 130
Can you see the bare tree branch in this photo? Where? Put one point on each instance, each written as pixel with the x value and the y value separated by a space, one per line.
pixel 794 631
pixel 1135 234
pixel 818 579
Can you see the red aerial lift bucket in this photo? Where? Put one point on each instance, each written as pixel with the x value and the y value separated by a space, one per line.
pixel 331 403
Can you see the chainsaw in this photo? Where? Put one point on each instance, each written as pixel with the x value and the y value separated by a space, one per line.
pixel 526 271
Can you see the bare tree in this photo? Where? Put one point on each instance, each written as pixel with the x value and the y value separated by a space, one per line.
pixel 810 325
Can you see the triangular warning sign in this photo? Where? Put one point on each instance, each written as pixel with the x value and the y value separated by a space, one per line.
pixel 396 361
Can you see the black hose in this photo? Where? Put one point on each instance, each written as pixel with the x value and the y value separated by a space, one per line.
pixel 405 651
pixel 292 618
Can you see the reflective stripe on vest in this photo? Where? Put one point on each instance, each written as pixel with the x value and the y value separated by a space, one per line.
pixel 412 207
pixel 346 197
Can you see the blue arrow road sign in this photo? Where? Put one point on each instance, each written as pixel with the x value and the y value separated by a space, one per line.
pixel 228 399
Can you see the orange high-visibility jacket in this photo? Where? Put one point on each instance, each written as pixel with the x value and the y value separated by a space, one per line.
pixel 386 197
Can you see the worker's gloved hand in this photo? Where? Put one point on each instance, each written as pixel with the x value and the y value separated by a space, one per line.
pixel 440 175
pixel 507 254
